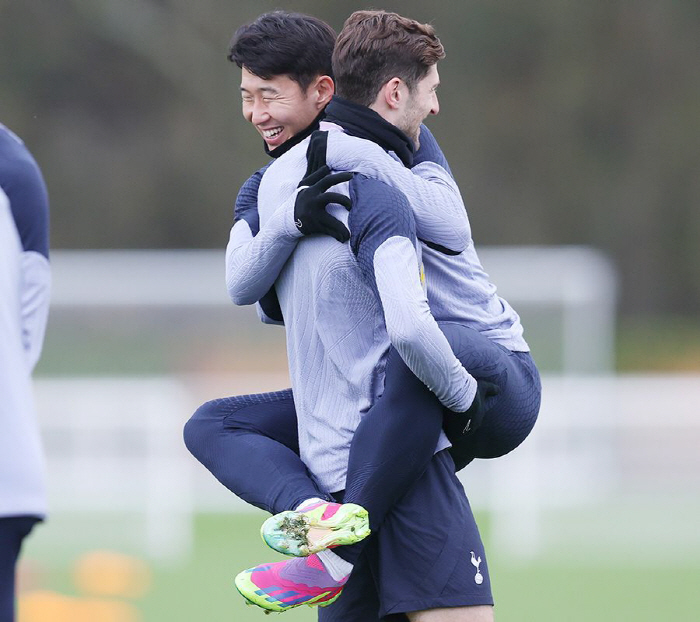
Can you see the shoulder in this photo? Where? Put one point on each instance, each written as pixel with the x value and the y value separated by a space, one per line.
pixel 247 200
pixel 18 168
pixel 344 146
pixel 379 211
pixel 429 150
pixel 23 183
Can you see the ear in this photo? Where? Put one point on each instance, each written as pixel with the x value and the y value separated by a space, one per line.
pixel 391 93
pixel 322 90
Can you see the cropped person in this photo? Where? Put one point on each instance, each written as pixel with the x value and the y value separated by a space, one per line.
pixel 25 279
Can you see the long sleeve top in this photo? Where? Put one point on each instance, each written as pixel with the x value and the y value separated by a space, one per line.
pixel 24 300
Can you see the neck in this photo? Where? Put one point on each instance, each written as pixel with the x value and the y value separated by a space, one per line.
pixel 363 122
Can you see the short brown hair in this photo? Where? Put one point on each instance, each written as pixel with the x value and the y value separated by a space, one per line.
pixel 375 46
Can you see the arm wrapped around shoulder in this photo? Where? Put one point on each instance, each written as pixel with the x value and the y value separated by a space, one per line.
pixel 437 204
pixel 254 258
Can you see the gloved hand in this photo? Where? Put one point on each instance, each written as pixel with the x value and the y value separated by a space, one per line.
pixel 315 154
pixel 310 215
pixel 458 425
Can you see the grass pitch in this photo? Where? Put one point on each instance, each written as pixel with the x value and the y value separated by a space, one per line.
pixel 548 589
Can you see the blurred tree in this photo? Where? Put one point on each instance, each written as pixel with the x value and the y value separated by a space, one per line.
pixel 565 122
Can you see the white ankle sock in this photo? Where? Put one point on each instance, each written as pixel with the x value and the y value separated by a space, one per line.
pixel 336 566
pixel 308 502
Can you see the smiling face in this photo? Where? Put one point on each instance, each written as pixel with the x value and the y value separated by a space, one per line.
pixel 420 102
pixel 279 108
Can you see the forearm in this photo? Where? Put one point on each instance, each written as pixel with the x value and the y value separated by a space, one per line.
pixel 412 329
pixel 435 198
pixel 253 263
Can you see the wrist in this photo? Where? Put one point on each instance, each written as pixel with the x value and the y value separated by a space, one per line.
pixel 286 217
pixel 467 395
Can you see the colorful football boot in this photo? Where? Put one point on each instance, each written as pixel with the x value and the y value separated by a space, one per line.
pixel 281 586
pixel 317 526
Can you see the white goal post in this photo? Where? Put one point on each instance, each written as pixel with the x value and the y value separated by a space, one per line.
pixel 114 441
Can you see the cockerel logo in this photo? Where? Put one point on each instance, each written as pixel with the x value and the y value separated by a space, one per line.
pixel 478 577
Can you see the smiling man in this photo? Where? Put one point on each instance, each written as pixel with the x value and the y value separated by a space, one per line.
pixel 345 306
pixel 279 106
pixel 385 95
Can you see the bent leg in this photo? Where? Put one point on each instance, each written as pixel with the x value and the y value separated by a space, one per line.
pixel 509 416
pixel 392 446
pixel 397 437
pixel 250 444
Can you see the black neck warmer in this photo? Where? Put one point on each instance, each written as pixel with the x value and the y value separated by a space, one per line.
pixel 363 122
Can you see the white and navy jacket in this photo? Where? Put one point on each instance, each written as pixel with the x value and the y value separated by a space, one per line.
pixel 25 280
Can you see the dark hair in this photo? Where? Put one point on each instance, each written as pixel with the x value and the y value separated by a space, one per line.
pixel 375 46
pixel 280 43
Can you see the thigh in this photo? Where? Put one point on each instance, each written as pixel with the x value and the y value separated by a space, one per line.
pixel 430 553
pixel 481 613
pixel 269 414
pixel 509 416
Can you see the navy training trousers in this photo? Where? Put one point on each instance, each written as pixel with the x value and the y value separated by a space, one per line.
pixel 250 443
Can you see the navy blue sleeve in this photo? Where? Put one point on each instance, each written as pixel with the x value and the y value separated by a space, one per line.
pixel 22 182
pixel 247 201
pixel 379 212
pixel 270 305
pixel 429 150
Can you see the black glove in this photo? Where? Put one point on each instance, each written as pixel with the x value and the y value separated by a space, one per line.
pixel 315 154
pixel 458 425
pixel 310 215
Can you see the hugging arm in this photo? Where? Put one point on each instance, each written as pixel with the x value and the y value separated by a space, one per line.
pixel 384 241
pixel 437 205
pixel 255 255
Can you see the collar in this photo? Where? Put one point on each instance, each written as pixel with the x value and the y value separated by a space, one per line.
pixel 294 140
pixel 364 122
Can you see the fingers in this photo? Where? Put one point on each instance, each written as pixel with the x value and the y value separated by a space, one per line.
pixel 338 231
pixel 336 197
pixel 329 225
pixel 316 151
pixel 315 177
pixel 332 180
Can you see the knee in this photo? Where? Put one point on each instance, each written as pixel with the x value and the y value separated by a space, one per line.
pixel 199 426
pixel 503 435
